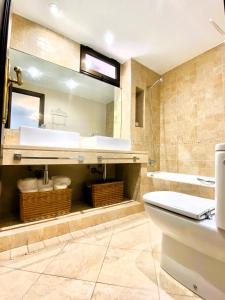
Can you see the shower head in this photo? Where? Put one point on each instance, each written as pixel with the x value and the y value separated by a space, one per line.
pixel 156 82
pixel 217 27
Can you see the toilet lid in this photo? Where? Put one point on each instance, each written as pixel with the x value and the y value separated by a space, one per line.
pixel 190 206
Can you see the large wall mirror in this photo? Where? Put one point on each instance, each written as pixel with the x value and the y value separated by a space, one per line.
pixel 59 98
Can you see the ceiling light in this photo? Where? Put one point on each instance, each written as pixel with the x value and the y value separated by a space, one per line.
pixel 54 10
pixel 109 38
pixel 71 84
pixel 34 72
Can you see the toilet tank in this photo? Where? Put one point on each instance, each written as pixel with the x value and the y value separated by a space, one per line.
pixel 220 185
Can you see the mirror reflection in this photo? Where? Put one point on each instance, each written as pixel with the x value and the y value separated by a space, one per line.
pixel 59 98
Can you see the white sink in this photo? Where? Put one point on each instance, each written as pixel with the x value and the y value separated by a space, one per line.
pixel 30 136
pixel 106 143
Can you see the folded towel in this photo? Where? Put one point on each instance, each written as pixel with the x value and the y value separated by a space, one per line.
pixel 60 186
pixel 61 180
pixel 27 184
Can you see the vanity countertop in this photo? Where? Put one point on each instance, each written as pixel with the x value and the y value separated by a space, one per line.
pixel 69 149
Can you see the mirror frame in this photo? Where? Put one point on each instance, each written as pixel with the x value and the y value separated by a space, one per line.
pixel 28 93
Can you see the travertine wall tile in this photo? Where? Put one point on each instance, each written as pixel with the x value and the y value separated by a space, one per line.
pixel 37 40
pixel 192 117
pixel 146 137
pixel 125 83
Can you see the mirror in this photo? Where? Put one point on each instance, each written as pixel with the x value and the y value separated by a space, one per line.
pixel 59 98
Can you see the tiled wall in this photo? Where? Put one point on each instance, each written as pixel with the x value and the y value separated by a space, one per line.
pixel 146 137
pixel 39 41
pixel 125 83
pixel 193 114
pixel 192 117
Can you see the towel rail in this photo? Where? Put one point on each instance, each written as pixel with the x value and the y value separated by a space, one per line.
pixel 134 158
pixel 19 157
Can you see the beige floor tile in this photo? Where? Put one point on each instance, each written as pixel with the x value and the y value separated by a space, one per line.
pixel 65 237
pixel 129 268
pixel 155 236
pixel 51 242
pixel 59 288
pixel 110 292
pixel 34 262
pixel 166 296
pixel 20 251
pixel 5 255
pixel 128 223
pixel 95 236
pixel 77 234
pixel 137 237
pixel 167 284
pixel 80 261
pixel 34 247
pixel 15 283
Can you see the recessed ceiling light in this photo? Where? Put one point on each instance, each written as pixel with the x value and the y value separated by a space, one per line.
pixel 34 72
pixel 109 38
pixel 54 10
pixel 71 84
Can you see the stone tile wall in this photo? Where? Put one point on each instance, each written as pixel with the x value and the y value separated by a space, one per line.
pixel 192 117
pixel 39 41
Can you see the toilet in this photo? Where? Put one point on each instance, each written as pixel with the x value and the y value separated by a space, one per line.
pixel 193 240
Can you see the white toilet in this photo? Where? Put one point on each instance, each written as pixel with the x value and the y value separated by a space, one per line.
pixel 193 245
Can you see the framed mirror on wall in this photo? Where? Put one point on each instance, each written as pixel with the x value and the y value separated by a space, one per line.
pixel 26 108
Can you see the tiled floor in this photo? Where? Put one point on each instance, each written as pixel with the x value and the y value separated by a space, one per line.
pixel 118 260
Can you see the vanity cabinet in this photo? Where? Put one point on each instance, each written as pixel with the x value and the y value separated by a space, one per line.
pixel 27 155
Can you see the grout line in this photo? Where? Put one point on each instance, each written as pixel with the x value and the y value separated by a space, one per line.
pixel 156 275
pixel 19 258
pixel 101 266
pixel 41 273
pixel 30 287
pixel 125 286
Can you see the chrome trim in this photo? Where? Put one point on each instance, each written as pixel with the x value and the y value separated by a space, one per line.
pixel 101 158
pixel 19 157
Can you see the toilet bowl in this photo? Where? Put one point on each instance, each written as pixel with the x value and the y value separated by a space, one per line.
pixel 193 251
pixel 193 240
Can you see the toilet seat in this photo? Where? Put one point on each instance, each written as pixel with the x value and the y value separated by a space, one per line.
pixel 190 206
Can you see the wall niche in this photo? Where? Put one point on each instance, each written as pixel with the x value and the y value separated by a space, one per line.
pixel 139 107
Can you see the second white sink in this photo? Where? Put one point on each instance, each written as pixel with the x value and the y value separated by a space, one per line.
pixel 106 143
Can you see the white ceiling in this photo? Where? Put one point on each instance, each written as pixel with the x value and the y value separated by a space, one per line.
pixel 160 34
pixel 55 78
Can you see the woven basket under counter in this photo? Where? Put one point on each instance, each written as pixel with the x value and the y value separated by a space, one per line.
pixel 107 193
pixel 43 205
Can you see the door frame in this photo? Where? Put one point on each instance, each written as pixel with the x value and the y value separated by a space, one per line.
pixel 4 34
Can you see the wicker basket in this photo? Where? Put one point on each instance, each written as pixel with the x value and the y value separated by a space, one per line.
pixel 42 205
pixel 106 193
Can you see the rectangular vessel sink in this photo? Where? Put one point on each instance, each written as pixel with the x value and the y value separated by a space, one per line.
pixel 30 136
pixel 106 143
